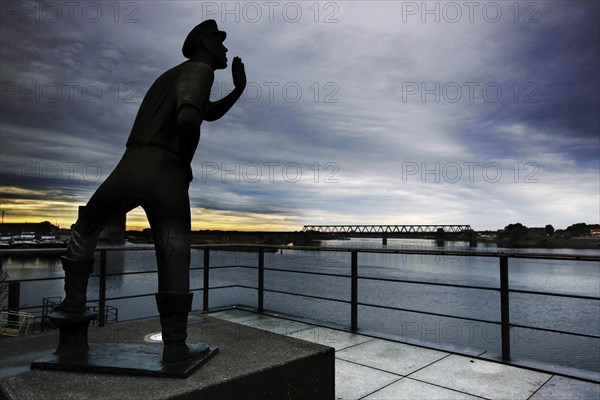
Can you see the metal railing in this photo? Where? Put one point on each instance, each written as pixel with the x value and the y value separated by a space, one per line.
pixel 504 290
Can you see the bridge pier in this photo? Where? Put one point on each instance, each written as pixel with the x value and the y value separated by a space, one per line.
pixel 384 240
pixel 473 239
pixel 440 237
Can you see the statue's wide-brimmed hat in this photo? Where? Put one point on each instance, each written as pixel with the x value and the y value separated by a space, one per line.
pixel 204 29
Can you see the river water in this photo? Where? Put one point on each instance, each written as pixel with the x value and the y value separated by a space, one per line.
pixel 571 277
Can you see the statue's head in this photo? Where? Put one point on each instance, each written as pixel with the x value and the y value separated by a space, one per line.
pixel 206 41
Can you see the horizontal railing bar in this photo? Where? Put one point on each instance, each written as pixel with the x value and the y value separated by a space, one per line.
pixel 372 278
pixel 152 294
pixel 28 307
pixel 573 296
pixel 34 279
pixel 588 335
pixel 428 313
pixel 138 272
pixel 121 273
pixel 283 270
pixel 133 296
pixel 94 275
pixel 191 269
pixel 232 266
pixel 494 254
pixel 218 287
pixel 306 295
pixel 307 272
pixel 63 250
pixel 410 251
pixel 246 287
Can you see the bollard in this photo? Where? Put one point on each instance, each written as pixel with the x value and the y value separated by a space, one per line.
pixel 73 337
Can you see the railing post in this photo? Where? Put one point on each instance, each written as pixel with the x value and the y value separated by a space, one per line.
pixel 354 294
pixel 206 280
pixel 102 290
pixel 14 295
pixel 261 279
pixel 504 308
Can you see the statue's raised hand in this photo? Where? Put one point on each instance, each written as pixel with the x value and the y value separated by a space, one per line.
pixel 238 73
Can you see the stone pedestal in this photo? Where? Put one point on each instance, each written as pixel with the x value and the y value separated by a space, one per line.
pixel 251 364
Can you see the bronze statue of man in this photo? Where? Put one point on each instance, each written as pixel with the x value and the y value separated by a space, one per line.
pixel 155 173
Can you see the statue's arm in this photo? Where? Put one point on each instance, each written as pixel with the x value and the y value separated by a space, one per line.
pixel 192 92
pixel 188 132
pixel 217 109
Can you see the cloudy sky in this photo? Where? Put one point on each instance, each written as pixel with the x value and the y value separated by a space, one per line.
pixel 356 112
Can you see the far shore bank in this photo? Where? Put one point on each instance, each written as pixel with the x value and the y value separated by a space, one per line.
pixel 551 243
pixel 301 239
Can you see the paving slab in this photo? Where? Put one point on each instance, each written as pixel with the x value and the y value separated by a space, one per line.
pixel 354 381
pixel 277 325
pixel 560 388
pixel 482 378
pixel 264 322
pixel 330 337
pixel 397 358
pixel 410 389
pixel 233 315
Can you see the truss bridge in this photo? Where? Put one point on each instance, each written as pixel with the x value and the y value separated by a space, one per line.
pixel 439 232
pixel 383 229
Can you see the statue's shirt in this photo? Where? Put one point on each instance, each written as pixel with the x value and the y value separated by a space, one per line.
pixel 188 83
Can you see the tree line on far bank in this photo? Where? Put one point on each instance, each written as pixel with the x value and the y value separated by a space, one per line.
pixel 518 231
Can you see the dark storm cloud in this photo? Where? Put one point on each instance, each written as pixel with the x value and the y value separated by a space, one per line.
pixel 71 90
pixel 552 70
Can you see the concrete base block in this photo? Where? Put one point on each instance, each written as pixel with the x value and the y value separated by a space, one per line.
pixel 251 364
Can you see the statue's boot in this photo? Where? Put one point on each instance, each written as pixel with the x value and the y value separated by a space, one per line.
pixel 174 308
pixel 77 273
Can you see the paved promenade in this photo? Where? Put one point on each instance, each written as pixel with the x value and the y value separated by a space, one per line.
pixel 376 369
